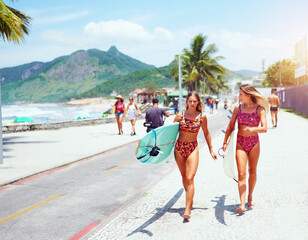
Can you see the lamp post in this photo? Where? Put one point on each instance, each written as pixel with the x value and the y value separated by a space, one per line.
pixel 1 141
pixel 180 84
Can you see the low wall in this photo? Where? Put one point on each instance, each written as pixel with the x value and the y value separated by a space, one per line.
pixel 58 125
pixel 295 98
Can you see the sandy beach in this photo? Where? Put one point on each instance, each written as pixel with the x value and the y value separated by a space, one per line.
pixel 98 104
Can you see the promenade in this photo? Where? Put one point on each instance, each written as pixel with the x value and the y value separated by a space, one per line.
pixel 31 152
pixel 281 196
pixel 281 193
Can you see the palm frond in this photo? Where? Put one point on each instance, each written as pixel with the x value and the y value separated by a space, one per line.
pixel 13 24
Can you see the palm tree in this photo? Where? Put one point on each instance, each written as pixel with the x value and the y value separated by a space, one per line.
pixel 13 24
pixel 198 66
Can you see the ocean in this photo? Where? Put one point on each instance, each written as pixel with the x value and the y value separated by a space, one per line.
pixel 41 113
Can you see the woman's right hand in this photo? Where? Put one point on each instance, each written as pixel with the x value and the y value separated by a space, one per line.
pixel 224 146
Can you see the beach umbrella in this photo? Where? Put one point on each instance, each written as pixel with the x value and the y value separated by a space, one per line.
pixel 214 96
pixel 23 120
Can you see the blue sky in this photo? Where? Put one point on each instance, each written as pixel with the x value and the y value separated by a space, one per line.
pixel 245 32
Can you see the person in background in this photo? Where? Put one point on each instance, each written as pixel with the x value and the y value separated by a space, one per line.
pixel 155 115
pixel 133 114
pixel 120 112
pixel 225 104
pixel 275 105
pixel 216 103
pixel 211 105
pixel 249 114
pixel 171 104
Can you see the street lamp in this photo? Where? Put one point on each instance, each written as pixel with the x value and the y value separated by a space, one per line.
pixel 180 84
pixel 1 141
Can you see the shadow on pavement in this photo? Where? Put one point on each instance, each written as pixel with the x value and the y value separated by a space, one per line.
pixel 220 209
pixel 160 212
pixel 26 142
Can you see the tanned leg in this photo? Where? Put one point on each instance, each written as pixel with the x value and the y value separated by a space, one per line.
pixel 118 122
pixel 253 158
pixel 241 161
pixel 191 169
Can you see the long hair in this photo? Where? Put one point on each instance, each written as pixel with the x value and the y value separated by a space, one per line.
pixel 256 97
pixel 196 95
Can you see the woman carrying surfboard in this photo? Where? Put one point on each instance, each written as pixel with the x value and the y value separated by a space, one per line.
pixel 186 149
pixel 249 114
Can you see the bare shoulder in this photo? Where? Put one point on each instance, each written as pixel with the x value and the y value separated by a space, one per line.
pixel 203 119
pixel 261 109
pixel 236 108
pixel 203 116
pixel 177 117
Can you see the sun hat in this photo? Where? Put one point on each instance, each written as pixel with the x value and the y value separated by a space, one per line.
pixel 119 96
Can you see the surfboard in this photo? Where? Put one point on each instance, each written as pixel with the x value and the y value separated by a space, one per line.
pixel 157 145
pixel 229 162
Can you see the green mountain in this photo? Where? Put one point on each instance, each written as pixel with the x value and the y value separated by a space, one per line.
pixel 157 78
pixel 65 76
pixel 246 73
pixel 230 74
pixel 91 73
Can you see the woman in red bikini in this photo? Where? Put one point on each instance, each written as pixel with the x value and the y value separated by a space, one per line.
pixel 249 114
pixel 186 150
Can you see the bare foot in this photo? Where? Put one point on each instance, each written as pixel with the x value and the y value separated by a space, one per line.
pixel 251 204
pixel 241 209
pixel 187 214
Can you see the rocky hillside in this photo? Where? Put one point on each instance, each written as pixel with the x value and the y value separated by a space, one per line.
pixel 65 76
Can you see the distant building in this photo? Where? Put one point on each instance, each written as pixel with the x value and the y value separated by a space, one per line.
pixel 258 79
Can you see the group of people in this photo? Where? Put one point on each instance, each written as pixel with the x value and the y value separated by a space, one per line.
pixel 251 117
pixel 132 111
pixel 154 116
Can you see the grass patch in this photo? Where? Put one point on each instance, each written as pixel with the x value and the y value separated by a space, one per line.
pixel 290 110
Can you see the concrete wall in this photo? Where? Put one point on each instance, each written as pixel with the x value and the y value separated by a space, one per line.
pixel 58 125
pixel 295 98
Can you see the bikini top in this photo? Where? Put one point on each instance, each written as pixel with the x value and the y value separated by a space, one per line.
pixel 248 119
pixel 119 106
pixel 192 126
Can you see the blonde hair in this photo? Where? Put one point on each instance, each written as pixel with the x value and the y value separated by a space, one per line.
pixel 196 95
pixel 255 96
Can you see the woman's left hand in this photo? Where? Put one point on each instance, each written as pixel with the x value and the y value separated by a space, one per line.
pixel 214 155
pixel 247 130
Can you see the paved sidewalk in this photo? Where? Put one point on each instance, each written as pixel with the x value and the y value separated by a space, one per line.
pixel 281 196
pixel 29 153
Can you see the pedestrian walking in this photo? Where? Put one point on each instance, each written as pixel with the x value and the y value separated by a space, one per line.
pixel 248 114
pixel 120 112
pixel 154 116
pixel 225 104
pixel 275 105
pixel 133 114
pixel 211 105
pixel 186 150
pixel 216 104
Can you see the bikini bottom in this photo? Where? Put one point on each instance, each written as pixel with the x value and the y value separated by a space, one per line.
pixel 247 142
pixel 274 109
pixel 185 148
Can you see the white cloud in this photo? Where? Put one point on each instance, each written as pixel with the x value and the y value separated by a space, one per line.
pixel 158 46
pixel 57 36
pixel 246 51
pixel 61 18
pixel 238 40
pixel 118 30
